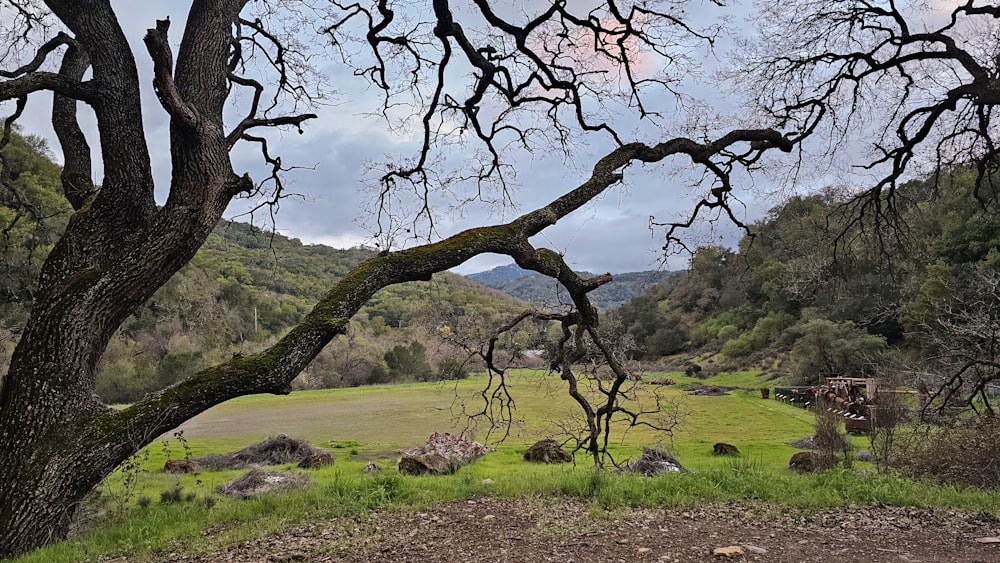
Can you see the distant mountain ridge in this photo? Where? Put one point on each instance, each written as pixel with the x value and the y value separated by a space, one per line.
pixel 541 290
pixel 500 274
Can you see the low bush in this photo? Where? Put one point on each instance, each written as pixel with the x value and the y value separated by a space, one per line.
pixel 964 454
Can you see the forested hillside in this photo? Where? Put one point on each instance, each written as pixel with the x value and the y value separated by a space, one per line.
pixel 245 288
pixel 818 292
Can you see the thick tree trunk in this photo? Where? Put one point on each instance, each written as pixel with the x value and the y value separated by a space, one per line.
pixel 43 478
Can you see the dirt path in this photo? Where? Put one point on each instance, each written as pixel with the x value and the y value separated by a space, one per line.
pixel 564 530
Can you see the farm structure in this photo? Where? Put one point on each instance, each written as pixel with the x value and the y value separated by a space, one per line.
pixel 854 398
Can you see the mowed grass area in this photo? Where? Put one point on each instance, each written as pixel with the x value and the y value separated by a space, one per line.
pixel 379 421
pixel 362 424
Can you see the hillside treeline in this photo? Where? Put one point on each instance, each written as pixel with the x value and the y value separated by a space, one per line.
pixel 245 288
pixel 832 283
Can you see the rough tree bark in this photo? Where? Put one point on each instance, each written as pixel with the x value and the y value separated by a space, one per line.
pixel 57 439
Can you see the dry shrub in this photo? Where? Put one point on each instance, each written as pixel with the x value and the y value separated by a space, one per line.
pixel 890 412
pixel 275 450
pixel 963 454
pixel 260 481
pixel 829 441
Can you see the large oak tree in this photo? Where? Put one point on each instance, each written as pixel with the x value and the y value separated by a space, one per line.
pixel 543 77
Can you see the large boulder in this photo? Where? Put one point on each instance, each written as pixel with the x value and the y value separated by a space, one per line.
pixel 442 454
pixel 260 481
pixel 316 460
pixel 653 461
pixel 426 464
pixel 182 466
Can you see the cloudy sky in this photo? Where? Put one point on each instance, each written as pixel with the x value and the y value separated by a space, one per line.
pixel 610 235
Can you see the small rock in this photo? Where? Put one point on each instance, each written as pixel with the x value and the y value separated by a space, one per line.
pixel 754 549
pixel 803 462
pixel 864 455
pixel 487 481
pixel 730 551
pixel 722 448
pixel 182 466
pixel 988 540
pixel 645 549
pixel 316 459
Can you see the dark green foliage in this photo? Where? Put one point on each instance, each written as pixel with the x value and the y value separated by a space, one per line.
pixel 409 362
pixel 452 368
pixel 828 349
pixel 32 215
pixel 656 332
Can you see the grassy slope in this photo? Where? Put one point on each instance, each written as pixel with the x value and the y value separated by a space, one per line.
pixel 375 422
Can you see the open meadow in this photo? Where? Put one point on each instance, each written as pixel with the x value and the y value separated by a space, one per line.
pixel 136 518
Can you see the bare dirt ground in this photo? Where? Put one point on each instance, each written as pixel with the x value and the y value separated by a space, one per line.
pixel 561 529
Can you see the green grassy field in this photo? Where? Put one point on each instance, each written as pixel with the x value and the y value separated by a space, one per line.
pixel 384 420
pixel 376 422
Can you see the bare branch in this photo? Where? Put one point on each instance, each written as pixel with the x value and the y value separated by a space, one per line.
pixel 914 83
pixel 77 182
pixel 163 81
pixel 544 76
pixel 43 52
pixel 42 81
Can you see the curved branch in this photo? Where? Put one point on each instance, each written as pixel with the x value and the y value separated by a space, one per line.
pixel 43 52
pixel 47 81
pixel 163 80
pixel 77 181
pixel 250 123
